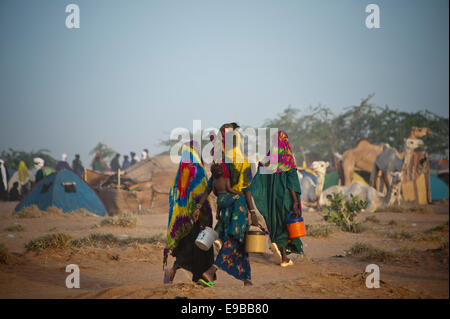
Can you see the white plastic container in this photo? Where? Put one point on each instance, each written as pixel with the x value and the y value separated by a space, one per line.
pixel 206 238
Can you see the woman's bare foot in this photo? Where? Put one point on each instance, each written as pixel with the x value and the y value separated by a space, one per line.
pixel 209 274
pixel 276 253
pixel 169 275
pixel 248 282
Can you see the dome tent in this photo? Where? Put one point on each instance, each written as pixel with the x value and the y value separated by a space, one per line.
pixel 65 190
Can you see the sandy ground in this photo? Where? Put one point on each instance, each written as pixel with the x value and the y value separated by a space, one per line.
pixel 135 271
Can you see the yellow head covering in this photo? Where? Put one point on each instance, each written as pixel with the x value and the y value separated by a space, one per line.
pixel 23 173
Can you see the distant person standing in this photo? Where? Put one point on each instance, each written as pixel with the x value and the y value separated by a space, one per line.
pixel 39 166
pixel 145 154
pixel 62 164
pixel 126 163
pixel 3 181
pixel 14 194
pixel 77 166
pixel 98 164
pixel 134 158
pixel 115 165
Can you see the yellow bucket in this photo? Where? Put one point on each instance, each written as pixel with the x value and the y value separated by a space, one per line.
pixel 255 242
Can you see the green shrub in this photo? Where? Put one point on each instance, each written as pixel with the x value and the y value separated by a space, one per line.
pixel 343 213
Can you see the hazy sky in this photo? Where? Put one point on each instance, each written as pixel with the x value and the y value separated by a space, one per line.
pixel 137 69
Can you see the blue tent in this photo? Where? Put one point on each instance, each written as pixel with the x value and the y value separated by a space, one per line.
pixel 65 190
pixel 439 189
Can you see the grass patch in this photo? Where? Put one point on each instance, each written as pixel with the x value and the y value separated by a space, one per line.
pixel 400 235
pixel 143 211
pixel 59 240
pixel 392 222
pixel 155 239
pixel 414 236
pixel 123 220
pixel 440 228
pixel 34 212
pixel 321 230
pixel 15 228
pixel 94 240
pixel 369 252
pixel 443 245
pixel 81 212
pixel 5 257
pixel 421 209
pixel 372 219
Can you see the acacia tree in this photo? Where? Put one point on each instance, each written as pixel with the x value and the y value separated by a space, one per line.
pixel 320 132
pixel 13 157
pixel 104 150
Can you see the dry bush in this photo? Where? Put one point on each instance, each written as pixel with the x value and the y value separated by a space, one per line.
pixel 126 219
pixel 96 240
pixel 15 228
pixel 143 211
pixel 440 228
pixel 59 240
pixel 369 252
pixel 34 212
pixel 392 222
pixel 421 209
pixel 372 219
pixel 81 212
pixel 320 230
pixel 400 235
pixel 5 257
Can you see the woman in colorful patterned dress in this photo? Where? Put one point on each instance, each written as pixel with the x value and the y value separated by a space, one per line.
pixel 276 192
pixel 188 187
pixel 232 209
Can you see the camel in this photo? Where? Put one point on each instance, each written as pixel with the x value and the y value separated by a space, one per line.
pixel 311 190
pixel 389 160
pixel 376 200
pixel 364 154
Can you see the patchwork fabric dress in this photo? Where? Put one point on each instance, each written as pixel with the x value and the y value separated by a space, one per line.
pixel 231 228
pixel 187 189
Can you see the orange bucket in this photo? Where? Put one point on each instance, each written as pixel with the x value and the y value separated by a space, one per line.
pixel 296 227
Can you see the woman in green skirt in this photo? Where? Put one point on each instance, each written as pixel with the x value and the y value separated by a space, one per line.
pixel 276 192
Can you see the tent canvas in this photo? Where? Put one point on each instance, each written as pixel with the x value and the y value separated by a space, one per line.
pixel 439 189
pixel 65 190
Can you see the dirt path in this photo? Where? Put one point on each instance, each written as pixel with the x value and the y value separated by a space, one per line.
pixel 326 271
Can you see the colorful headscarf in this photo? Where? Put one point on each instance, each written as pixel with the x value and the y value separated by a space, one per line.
pixel 235 165
pixel 280 157
pixel 187 189
pixel 23 173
